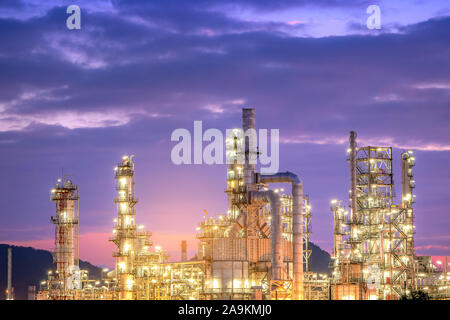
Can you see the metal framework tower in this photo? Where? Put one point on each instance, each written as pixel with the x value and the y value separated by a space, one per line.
pixel 65 255
pixel 374 253
pixel 125 228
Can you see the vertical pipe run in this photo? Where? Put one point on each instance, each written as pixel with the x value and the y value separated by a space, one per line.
pixel 353 175
pixel 297 224
pixel 297 221
pixel 276 241
pixel 9 296
pixel 276 257
pixel 407 161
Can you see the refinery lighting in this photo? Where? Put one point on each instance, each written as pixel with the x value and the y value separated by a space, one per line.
pixel 259 247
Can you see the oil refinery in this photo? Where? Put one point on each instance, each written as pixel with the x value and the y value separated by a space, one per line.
pixel 258 249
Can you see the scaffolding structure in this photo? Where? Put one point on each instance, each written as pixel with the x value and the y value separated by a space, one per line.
pixel 65 254
pixel 124 232
pixel 374 242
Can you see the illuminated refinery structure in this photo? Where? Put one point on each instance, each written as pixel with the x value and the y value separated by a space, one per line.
pixel 373 256
pixel 65 255
pixel 258 249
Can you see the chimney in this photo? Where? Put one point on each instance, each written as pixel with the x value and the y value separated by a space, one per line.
pixel 183 250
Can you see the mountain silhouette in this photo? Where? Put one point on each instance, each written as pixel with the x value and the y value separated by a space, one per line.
pixel 29 267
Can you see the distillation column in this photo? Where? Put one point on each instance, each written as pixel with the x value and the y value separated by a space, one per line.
pixel 125 228
pixel 408 183
pixel 408 161
pixel 374 247
pixel 65 255
pixel 353 191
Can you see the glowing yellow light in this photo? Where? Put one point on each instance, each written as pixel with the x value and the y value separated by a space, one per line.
pixel 129 283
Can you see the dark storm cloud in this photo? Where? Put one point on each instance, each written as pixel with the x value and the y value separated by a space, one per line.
pixel 80 99
pixel 266 5
pixel 12 4
pixel 115 62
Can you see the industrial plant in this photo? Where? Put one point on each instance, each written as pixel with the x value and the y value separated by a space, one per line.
pixel 373 256
pixel 257 249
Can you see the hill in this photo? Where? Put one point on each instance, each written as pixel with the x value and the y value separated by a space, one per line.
pixel 320 260
pixel 29 267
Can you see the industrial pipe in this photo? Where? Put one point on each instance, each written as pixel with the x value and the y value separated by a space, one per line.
pixel 9 295
pixel 276 258
pixel 297 223
pixel 354 216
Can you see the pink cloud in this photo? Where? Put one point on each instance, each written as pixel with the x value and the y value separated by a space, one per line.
pixel 295 22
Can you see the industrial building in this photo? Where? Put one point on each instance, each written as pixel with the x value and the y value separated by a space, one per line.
pixel 258 248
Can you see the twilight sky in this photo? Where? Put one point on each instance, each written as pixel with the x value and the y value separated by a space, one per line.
pixel 80 99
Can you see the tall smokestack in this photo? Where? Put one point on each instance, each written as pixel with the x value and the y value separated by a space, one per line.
pixel 183 250
pixel 248 122
pixel 9 296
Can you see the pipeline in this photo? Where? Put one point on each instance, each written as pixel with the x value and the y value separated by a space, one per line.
pixel 9 295
pixel 353 175
pixel 277 247
pixel 297 221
